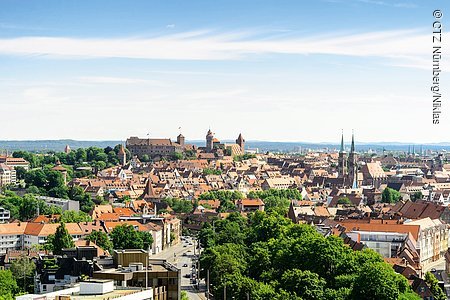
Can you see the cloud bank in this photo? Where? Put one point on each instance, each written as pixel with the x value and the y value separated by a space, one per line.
pixel 406 46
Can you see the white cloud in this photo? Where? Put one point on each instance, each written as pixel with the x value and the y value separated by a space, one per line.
pixel 121 80
pixel 392 3
pixel 204 45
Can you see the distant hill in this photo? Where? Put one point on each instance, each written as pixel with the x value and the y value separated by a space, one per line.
pixel 53 145
pixel 58 145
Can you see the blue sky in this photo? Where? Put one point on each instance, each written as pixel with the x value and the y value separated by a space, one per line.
pixel 273 70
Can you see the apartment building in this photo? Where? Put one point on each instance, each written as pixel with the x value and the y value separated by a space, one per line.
pixel 7 175
pixel 5 215
pixel 17 236
pixel 428 237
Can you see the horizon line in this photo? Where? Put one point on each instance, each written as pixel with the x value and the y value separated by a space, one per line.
pixel 444 143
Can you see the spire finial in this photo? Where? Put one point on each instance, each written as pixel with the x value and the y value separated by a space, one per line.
pixel 352 148
pixel 342 141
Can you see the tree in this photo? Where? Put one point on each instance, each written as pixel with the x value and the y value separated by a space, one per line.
pixel 54 179
pixel 268 257
pixel 101 239
pixel 244 157
pixel 49 243
pixel 378 281
pixel 344 200
pixel 20 173
pixel 8 285
pixel 71 216
pixel 209 171
pixel 179 205
pixel 433 283
pixel 36 177
pixel 126 237
pixel 305 284
pixel 417 196
pixel 23 270
pixel 177 156
pixel 390 195
pixel 184 295
pixel 77 193
pixel 28 207
pixel 58 192
pixel 62 239
pixel 33 190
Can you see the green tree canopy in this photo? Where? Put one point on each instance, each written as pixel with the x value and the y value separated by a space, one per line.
pixel 390 195
pixel 8 285
pixel 433 283
pixel 344 200
pixel 270 257
pixel 71 216
pixel 101 239
pixel 126 237
pixel 62 239
pixel 23 270
pixel 179 205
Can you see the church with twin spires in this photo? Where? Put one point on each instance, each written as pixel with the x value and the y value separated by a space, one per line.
pixel 348 164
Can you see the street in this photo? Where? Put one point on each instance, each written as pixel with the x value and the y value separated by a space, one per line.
pixel 179 260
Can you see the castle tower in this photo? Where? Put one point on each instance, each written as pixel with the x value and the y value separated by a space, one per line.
pixel 180 140
pixel 342 160
pixel 352 165
pixel 209 141
pixel 122 155
pixel 241 142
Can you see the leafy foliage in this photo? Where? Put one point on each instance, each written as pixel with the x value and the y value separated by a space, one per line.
pixel 126 237
pixel 226 198
pixel 179 205
pixel 8 285
pixel 390 195
pixel 71 216
pixel 101 239
pixel 23 270
pixel 209 171
pixel 278 200
pixel 269 257
pixel 433 283
pixel 244 157
pixel 344 200
pixel 77 193
pixel 26 207
pixel 62 239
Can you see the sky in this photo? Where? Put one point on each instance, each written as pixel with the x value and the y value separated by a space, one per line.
pixel 276 70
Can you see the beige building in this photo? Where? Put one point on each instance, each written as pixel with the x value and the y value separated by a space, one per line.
pixel 7 175
pixel 432 240
pixel 156 147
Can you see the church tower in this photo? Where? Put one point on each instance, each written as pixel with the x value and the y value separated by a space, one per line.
pixel 122 155
pixel 241 142
pixel 342 160
pixel 209 141
pixel 352 165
